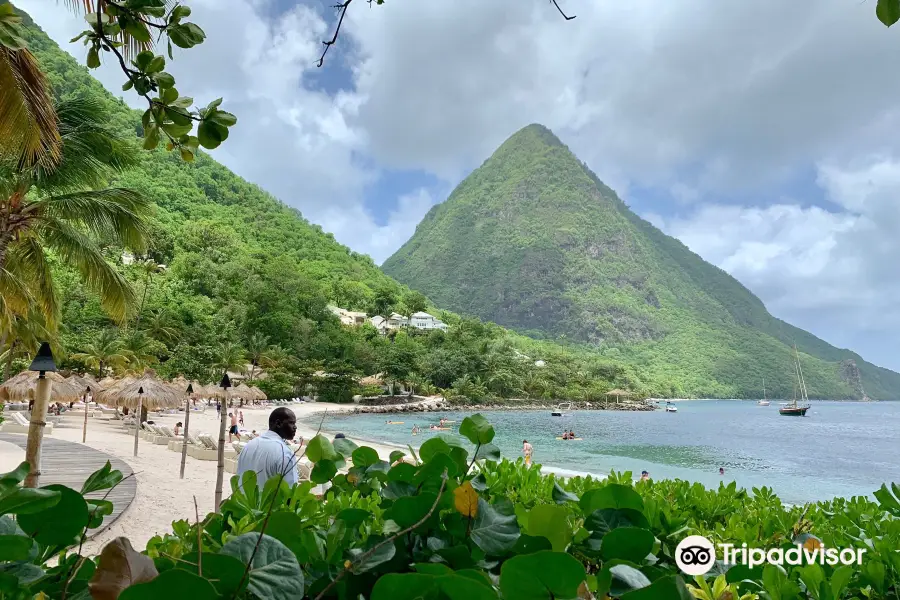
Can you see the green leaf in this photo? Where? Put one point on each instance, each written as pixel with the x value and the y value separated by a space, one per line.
pixel 409 510
pixel 14 477
pixel 552 523
pixel 62 523
pixel 93 58
pixel 156 65
pixel 287 527
pixel 22 501
pixel 627 543
pixel 186 35
pixel 426 586
pixel 353 517
pixel 671 587
pixel 143 60
pixel 151 137
pixel 884 496
pixel 623 579
pixel 888 11
pixel 433 447
pixel 127 85
pixel 323 471
pixel 561 496
pixel 15 548
pixel 103 478
pixel 275 573
pixel 604 520
pixel 225 119
pixel 180 12
pixel 137 30
pixel 175 583
pixel 364 457
pixel 380 556
pixel 613 495
pixel 344 447
pixel 164 80
pixel 527 544
pixel 396 455
pixel 223 571
pixel 488 452
pixel 319 447
pixel 541 576
pixel 477 429
pixel 493 532
pixel 97 509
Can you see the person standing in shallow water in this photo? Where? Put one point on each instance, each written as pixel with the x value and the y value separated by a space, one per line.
pixel 527 449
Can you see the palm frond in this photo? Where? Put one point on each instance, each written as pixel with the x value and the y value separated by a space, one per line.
pixel 15 295
pixel 26 259
pixel 77 249
pixel 114 214
pixel 92 151
pixel 28 129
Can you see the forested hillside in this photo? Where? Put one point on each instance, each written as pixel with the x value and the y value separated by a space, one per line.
pixel 533 240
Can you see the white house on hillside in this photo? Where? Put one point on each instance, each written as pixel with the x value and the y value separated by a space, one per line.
pixel 383 325
pixel 422 320
pixel 348 317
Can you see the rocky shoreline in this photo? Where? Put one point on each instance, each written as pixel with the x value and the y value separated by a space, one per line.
pixel 442 405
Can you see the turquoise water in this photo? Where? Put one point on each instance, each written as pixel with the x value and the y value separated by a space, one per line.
pixel 838 449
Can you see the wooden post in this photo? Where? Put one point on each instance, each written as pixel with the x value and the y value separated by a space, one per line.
pixel 84 429
pixel 220 471
pixel 184 435
pixel 36 431
pixel 137 418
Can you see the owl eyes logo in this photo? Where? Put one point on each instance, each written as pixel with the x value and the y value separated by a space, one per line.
pixel 695 555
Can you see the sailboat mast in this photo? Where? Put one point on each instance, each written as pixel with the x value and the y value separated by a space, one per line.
pixel 764 389
pixel 804 395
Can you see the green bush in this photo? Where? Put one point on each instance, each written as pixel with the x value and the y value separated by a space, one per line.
pixel 454 522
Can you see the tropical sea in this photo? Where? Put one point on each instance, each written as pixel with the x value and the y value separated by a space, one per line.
pixel 838 449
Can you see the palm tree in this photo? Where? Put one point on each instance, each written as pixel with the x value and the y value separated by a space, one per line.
pixel 24 335
pixel 149 267
pixel 29 133
pixel 139 349
pixel 103 353
pixel 66 210
pixel 259 351
pixel 160 326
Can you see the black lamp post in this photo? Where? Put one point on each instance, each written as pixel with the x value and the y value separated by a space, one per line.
pixel 187 420
pixel 220 470
pixel 138 418
pixel 42 363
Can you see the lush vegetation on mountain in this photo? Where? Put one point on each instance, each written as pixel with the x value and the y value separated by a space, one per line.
pixel 535 241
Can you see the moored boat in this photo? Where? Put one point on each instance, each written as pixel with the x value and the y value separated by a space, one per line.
pixel 794 409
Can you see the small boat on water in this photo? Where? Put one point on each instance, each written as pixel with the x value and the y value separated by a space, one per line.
pixel 560 408
pixel 794 409
pixel 671 407
pixel 764 401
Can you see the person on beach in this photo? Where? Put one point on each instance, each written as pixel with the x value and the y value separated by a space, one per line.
pixel 178 427
pixel 241 417
pixel 721 470
pixel 645 476
pixel 269 454
pixel 527 449
pixel 415 429
pixel 233 430
pixel 218 408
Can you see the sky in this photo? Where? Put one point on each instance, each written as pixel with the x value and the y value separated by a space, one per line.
pixel 763 135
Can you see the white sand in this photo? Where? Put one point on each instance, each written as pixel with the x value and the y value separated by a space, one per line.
pixel 161 496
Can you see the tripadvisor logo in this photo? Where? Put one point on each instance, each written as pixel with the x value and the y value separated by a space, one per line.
pixel 695 555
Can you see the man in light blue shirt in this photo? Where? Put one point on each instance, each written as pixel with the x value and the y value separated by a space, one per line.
pixel 269 454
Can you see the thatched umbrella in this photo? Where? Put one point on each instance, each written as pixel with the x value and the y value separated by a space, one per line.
pixel 149 391
pixel 372 380
pixel 617 392
pixel 87 383
pixel 23 385
pixel 260 395
pixel 244 392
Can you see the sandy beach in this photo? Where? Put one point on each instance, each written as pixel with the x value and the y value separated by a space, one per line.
pixel 161 496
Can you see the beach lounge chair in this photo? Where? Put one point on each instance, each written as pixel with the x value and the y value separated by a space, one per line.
pixel 167 435
pixel 17 423
pixel 208 449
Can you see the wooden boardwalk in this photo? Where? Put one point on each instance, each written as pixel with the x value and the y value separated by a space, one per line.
pixel 70 464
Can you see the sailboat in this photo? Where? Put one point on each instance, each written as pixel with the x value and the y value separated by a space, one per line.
pixel 794 409
pixel 764 401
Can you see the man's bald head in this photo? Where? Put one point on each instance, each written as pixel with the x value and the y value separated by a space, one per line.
pixel 283 422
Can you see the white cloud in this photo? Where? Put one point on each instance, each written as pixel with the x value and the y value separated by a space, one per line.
pixel 828 271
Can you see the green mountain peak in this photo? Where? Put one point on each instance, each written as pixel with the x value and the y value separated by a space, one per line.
pixel 533 240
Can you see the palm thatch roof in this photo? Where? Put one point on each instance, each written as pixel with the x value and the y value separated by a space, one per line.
pixel 243 391
pixel 260 395
pixel 86 382
pixel 618 392
pixel 150 391
pixel 215 391
pixel 110 391
pixel 23 385
pixel 372 380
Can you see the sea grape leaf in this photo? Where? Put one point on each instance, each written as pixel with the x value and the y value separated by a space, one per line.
pixel 551 522
pixel 541 576
pixel 671 587
pixel 477 429
pixel 383 554
pixel 493 532
pixel 433 447
pixel 561 496
pixel 101 479
pixel 120 566
pixel 15 548
pixel 275 573
pixel 344 447
pixel 223 571
pixel 613 495
pixel 888 11
pixel 620 579
pixel 627 543
pixel 465 500
pixel 62 523
pixel 23 501
pixel 364 456
pixel 320 448
pixel 175 584
pixel 409 510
